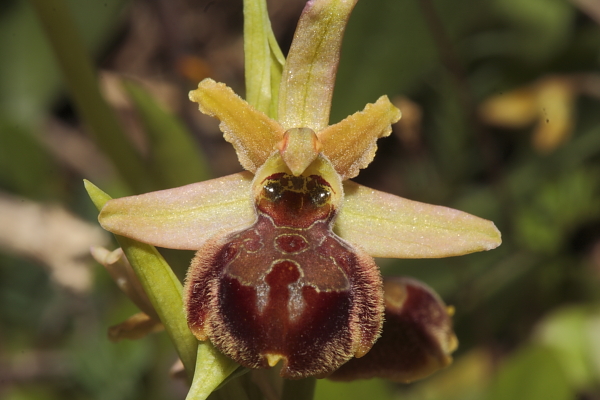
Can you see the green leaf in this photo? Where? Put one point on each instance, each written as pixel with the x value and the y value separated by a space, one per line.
pixel 538 28
pixel 25 167
pixel 175 156
pixel 160 284
pixel 27 88
pixel 558 206
pixel 388 48
pixel 573 333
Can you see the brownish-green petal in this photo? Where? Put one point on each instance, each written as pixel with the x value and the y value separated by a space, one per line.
pixel 184 217
pixel 390 226
pixel 253 134
pixel 122 273
pixel 310 69
pixel 351 144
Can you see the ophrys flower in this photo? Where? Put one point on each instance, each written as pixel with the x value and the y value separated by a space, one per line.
pixel 284 269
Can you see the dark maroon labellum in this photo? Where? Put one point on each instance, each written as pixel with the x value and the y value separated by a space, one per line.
pixel 286 288
pixel 417 337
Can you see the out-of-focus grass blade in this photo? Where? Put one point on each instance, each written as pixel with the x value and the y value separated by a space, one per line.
pixel 81 79
pixel 573 332
pixel 29 76
pixel 176 158
pixel 25 167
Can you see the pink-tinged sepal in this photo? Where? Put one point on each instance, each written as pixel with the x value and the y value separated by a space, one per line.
pixel 417 337
pixel 184 217
pixel 286 288
pixel 390 226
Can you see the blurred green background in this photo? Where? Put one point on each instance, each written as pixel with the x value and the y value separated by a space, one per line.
pixel 501 104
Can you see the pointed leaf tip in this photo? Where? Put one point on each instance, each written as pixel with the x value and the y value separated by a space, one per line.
pixel 98 197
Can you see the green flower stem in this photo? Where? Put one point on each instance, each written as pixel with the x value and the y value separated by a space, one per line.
pixel 82 83
pixel 160 284
pixel 212 368
pixel 303 389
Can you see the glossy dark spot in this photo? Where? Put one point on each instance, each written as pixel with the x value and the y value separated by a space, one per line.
pixel 273 190
pixel 295 201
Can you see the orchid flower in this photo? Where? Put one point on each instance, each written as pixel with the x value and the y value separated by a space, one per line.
pixel 284 268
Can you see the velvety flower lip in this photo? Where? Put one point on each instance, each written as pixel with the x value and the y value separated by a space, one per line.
pixel 288 244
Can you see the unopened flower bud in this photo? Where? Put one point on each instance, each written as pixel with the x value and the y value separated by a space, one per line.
pixel 417 337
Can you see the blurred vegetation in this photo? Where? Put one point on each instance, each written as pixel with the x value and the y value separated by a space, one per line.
pixel 501 103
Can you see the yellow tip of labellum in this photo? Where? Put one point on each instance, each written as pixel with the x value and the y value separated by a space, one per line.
pixel 299 148
pixel 273 359
pixel 362 350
